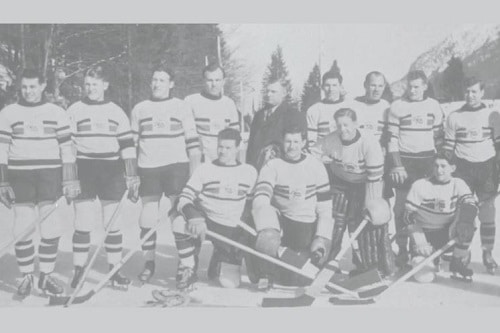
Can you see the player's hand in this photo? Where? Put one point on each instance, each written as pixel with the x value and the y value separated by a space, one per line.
pixel 133 183
pixel 7 196
pixel 71 190
pixel 398 175
pixel 320 249
pixel 197 227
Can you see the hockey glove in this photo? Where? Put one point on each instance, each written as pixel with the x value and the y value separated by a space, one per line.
pixel 132 179
pixel 421 246
pixel 196 225
pixel 320 249
pixel 70 184
pixel 7 196
pixel 398 175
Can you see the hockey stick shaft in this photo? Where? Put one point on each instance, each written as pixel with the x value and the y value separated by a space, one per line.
pixel 96 252
pixel 29 229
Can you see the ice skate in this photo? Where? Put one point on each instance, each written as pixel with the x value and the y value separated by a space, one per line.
pixel 489 263
pixel 460 271
pixel 186 278
pixel 118 281
pixel 77 276
pixel 148 272
pixel 25 287
pixel 49 285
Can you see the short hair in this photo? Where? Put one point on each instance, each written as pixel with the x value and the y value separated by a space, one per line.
pixel 345 112
pixel 332 75
pixel 417 74
pixel 31 73
pixel 472 80
pixel 164 68
pixel 443 155
pixel 212 68
pixel 374 73
pixel 98 72
pixel 280 81
pixel 295 122
pixel 230 134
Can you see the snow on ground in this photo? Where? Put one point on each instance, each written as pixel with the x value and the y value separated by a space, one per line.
pixel 483 292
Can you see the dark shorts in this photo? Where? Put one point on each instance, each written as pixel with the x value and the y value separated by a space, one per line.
pixel 481 177
pixel 34 186
pixel 416 168
pixel 168 179
pixel 438 238
pixel 101 178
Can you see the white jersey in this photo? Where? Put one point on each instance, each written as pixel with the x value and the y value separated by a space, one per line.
pixel 320 121
pixel 372 116
pixel 212 115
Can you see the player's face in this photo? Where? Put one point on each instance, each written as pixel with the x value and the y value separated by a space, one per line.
pixel 347 128
pixel 332 89
pixel 161 85
pixel 227 151
pixel 213 82
pixel 95 88
pixel 293 143
pixel 275 94
pixel 32 90
pixel 443 170
pixel 416 90
pixel 474 95
pixel 375 88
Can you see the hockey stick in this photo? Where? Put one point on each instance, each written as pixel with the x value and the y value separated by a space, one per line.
pixel 370 295
pixel 4 249
pixel 64 300
pixel 314 290
pixel 275 261
pixel 96 252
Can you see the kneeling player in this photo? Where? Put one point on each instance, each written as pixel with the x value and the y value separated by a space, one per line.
pixel 292 208
pixel 439 208
pixel 214 198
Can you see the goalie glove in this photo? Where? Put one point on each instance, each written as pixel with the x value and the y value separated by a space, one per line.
pixel 268 153
pixel 7 196
pixel 70 184
pixel 132 179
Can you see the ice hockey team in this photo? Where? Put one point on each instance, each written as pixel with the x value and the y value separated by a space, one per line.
pixel 307 178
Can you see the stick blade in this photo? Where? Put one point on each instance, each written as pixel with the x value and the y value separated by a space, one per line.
pixel 355 282
pixel 63 300
pixel 370 293
pixel 301 301
pixel 351 301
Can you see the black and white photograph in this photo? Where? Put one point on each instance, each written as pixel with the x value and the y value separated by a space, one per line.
pixel 249 165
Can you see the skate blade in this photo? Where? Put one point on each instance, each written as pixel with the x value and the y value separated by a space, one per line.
pixel 119 287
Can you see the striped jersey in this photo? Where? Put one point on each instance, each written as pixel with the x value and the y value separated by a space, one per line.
pixel 473 133
pixel 211 115
pixel 320 121
pixel 371 116
pixel 101 130
pixel 435 203
pixel 32 135
pixel 359 160
pixel 295 188
pixel 415 127
pixel 220 190
pixel 164 131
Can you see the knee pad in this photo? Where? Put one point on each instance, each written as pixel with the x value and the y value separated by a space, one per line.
pixel 53 226
pixel 426 274
pixel 24 216
pixel 179 225
pixel 230 275
pixel 149 213
pixel 108 210
pixel 85 215
pixel 268 242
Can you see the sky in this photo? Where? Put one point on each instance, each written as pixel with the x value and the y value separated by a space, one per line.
pixel 358 48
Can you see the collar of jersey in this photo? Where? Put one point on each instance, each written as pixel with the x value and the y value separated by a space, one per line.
pixel 88 101
pixel 350 142
pixel 365 100
pixel 468 108
pixel 153 99
pixel 302 157
pixel 325 101
pixel 23 102
pixel 212 97
pixel 436 182
pixel 218 163
pixel 410 101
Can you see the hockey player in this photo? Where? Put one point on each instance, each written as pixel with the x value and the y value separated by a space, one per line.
pixel 320 120
pixel 436 211
pixel 107 167
pixel 169 151
pixel 214 198
pixel 267 124
pixel 357 170
pixel 415 126
pixel 37 166
pixel 472 134
pixel 292 207
pixel 212 110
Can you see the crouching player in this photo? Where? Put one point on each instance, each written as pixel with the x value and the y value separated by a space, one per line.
pixel 292 209
pixel 214 198
pixel 440 208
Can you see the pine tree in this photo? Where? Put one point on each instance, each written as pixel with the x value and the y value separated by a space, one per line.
pixel 311 93
pixel 277 70
pixel 335 67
